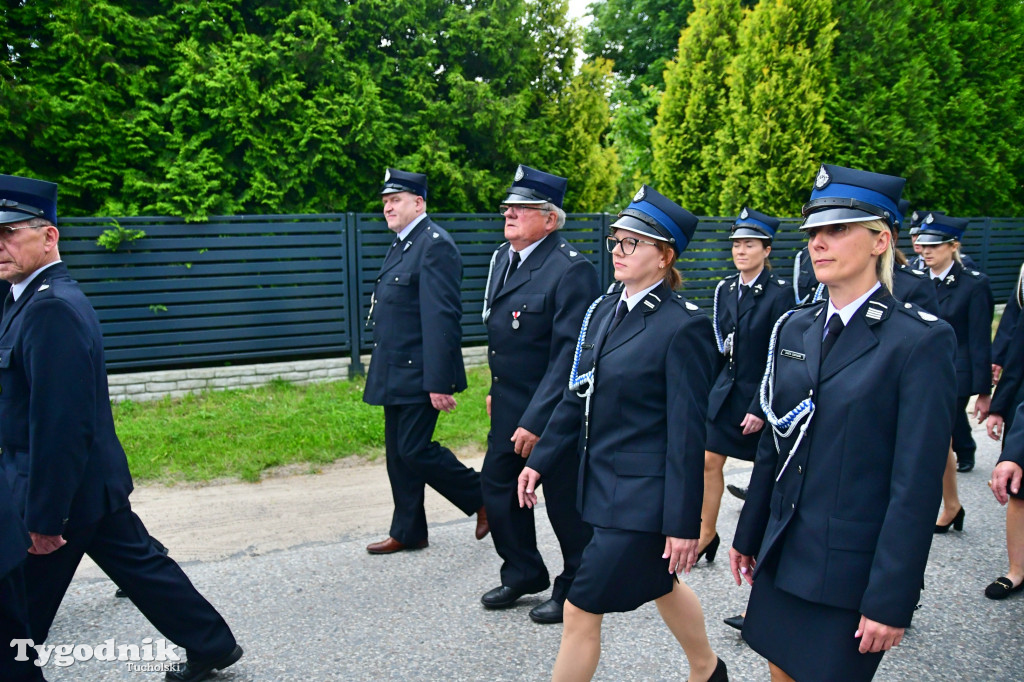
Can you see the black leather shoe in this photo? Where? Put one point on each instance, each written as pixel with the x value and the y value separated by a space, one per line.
pixel 547 613
pixel 1000 588
pixel 711 550
pixel 737 491
pixel 964 467
pixel 734 622
pixel 501 597
pixel 957 523
pixel 193 671
pixel 720 674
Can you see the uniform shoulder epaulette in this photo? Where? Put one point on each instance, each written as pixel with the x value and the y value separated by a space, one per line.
pixel 912 271
pixel 810 304
pixel 689 306
pixel 918 313
pixel 734 275
pixel 569 252
pixel 615 287
pixel 976 274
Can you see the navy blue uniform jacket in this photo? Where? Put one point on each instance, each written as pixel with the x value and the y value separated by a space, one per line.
pixel 642 467
pixel 14 539
pixel 63 461
pixel 914 286
pixel 1013 451
pixel 756 314
pixel 965 302
pixel 417 318
pixel 850 522
pixel 530 364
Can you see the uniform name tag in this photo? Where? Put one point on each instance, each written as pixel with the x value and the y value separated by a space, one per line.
pixel 792 354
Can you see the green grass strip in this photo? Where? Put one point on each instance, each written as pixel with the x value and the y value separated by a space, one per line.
pixel 242 433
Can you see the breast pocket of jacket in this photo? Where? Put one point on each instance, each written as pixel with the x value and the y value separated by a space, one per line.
pixel 398 287
pixel 528 304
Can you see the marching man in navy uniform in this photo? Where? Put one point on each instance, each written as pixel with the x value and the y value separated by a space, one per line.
pixel 14 544
pixel 416 366
pixel 858 394
pixel 538 290
pixel 67 470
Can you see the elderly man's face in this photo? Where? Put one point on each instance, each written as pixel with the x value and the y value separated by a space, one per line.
pixel 525 225
pixel 24 249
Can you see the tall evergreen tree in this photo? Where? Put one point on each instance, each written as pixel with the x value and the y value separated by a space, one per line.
pixel 693 107
pixel 780 84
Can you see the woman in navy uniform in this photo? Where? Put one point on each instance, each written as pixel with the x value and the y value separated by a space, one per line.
pixel 1006 486
pixel 859 393
pixel 1007 404
pixel 14 544
pixel 965 301
pixel 640 378
pixel 745 309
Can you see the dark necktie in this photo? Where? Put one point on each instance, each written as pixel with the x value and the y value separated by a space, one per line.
pixel 835 328
pixel 620 313
pixel 8 302
pixel 512 267
pixel 937 281
pixel 744 290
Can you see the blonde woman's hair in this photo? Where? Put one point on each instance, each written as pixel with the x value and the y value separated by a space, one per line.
pixel 884 265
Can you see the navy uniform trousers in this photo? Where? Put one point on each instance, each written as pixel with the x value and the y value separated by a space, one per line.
pixel 417 350
pixel 14 543
pixel 533 321
pixel 965 302
pixel 69 475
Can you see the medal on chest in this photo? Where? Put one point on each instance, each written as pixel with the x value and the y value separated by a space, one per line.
pixel 515 319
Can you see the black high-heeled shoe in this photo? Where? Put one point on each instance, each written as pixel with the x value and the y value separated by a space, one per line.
pixel 957 522
pixel 720 674
pixel 712 549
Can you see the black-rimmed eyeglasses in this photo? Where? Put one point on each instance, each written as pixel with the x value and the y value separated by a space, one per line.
pixel 517 208
pixel 627 244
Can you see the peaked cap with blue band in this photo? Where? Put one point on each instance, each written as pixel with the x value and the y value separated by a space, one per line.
pixel 403 181
pixel 938 228
pixel 657 216
pixel 848 195
pixel 531 186
pixel 27 198
pixel 753 224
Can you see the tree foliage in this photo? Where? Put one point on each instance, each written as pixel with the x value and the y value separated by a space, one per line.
pixel 231 106
pixel 692 111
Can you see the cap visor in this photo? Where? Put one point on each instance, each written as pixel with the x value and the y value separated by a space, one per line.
pixel 523 200
pixel 836 216
pixel 924 238
pixel 748 233
pixel 628 222
pixel 14 217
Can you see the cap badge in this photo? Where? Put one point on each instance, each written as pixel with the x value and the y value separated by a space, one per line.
pixel 743 214
pixel 387 175
pixel 930 219
pixel 915 216
pixel 639 196
pixel 519 173
pixel 822 179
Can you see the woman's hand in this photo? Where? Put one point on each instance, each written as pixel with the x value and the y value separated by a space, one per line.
pixel 528 480
pixel 751 424
pixel 994 426
pixel 1005 479
pixel 981 405
pixel 742 565
pixel 681 554
pixel 875 636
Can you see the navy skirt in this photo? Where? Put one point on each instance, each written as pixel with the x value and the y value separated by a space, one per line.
pixel 807 641
pixel 725 435
pixel 621 570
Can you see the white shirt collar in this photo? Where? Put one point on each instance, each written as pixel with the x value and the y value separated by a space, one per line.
pixel 636 298
pixel 18 289
pixel 409 228
pixel 847 311
pixel 944 272
pixel 752 279
pixel 525 253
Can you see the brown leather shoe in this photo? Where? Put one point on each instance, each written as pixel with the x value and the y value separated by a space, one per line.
pixel 482 527
pixel 391 545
